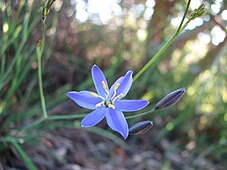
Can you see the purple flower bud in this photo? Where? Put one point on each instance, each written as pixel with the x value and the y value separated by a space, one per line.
pixel 141 127
pixel 170 99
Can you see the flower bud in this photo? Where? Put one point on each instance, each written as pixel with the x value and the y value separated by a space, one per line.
pixel 140 128
pixel 198 12
pixel 201 9
pixel 46 8
pixel 170 99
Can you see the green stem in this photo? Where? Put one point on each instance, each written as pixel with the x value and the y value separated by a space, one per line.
pixel 39 53
pixel 182 21
pixel 160 52
pixel 141 114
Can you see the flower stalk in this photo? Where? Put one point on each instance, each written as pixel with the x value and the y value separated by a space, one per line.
pixel 163 49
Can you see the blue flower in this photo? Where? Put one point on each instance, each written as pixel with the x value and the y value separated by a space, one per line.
pixel 106 102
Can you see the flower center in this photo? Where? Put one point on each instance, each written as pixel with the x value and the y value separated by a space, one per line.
pixel 108 102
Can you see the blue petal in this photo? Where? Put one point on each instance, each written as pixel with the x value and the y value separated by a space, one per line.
pixel 116 121
pixel 130 105
pixel 84 99
pixel 125 84
pixel 112 87
pixel 94 117
pixel 98 77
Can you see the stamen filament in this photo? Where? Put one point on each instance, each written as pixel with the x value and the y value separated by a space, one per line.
pixel 105 88
pixel 115 89
pixel 96 95
pixel 117 97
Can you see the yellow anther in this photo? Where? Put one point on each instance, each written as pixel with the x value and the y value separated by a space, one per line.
pixel 115 90
pixel 94 94
pixel 111 106
pixel 103 84
pixel 120 95
pixel 116 86
pixel 105 88
pixel 99 104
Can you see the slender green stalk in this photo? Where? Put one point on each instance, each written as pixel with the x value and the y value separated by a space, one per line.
pixel 141 114
pixel 182 21
pixel 40 46
pixel 160 52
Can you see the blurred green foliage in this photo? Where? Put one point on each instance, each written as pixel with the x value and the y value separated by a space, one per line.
pixel 124 35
